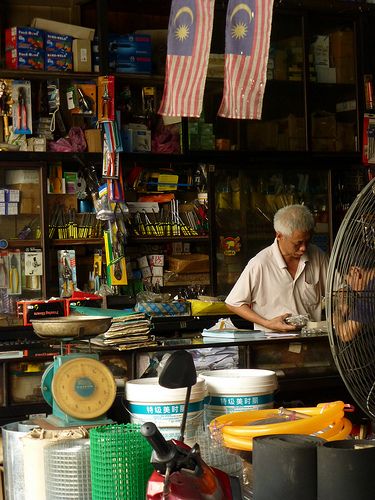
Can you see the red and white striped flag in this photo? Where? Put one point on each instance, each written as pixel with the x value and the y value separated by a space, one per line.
pixel 189 41
pixel 247 41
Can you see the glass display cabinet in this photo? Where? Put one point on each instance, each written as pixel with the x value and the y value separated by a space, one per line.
pixel 22 237
pixel 245 203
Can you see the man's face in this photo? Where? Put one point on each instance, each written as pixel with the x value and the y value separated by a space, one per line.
pixel 294 245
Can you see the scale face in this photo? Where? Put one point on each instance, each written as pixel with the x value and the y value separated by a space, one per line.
pixel 80 390
pixel 83 388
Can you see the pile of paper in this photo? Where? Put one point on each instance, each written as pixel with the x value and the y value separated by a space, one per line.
pixel 128 330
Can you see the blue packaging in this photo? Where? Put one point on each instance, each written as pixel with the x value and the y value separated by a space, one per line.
pixel 56 42
pixel 59 61
pixel 130 53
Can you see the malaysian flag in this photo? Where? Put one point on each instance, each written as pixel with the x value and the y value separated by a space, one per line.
pixel 247 40
pixel 189 40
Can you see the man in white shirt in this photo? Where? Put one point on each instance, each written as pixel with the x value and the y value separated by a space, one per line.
pixel 287 278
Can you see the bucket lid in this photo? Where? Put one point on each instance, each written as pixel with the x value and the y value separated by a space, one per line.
pixel 148 390
pixel 240 381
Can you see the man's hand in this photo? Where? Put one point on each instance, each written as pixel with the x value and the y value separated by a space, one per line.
pixel 278 324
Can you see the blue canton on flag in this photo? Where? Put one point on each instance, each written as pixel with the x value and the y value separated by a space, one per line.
pixel 181 29
pixel 240 27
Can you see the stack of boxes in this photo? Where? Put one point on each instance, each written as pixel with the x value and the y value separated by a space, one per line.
pixel 201 135
pixel 59 56
pixel 24 48
pixel 9 199
pixel 41 48
pixel 334 57
pixel 130 53
pixel 27 184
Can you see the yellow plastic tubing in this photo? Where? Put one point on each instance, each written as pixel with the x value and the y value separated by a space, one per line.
pixel 326 420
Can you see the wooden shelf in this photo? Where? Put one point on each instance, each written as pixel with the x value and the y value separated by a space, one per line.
pixel 71 242
pixel 166 239
pixel 24 243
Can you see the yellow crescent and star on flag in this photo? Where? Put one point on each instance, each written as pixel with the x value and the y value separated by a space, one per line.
pixel 240 28
pixel 182 31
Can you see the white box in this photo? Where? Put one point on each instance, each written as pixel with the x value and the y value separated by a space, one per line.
pixel 156 260
pixel 142 262
pixel 157 270
pixel 146 272
pixel 13 196
pixel 12 208
pixel 157 280
pixel 2 208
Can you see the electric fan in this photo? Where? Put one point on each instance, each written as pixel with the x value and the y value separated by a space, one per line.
pixel 350 300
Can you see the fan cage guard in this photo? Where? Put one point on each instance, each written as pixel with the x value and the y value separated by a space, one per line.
pixel 350 299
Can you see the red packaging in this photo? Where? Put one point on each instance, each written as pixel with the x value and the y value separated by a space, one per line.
pixel 40 309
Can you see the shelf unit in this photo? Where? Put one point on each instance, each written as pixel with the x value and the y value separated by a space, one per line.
pixel 295 26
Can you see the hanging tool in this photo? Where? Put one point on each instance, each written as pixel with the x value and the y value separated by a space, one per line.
pixel 84 102
pixel 14 277
pixel 4 108
pixel 21 110
pixel 3 272
pixel 106 100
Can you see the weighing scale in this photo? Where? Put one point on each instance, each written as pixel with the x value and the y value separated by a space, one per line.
pixel 79 388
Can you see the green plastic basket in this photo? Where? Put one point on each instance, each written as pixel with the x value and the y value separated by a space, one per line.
pixel 120 462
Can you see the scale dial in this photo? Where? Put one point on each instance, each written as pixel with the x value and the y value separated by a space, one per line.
pixel 84 388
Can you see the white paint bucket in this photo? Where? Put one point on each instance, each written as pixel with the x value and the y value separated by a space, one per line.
pixel 150 402
pixel 238 390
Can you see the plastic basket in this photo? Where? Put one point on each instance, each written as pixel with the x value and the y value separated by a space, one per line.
pixel 120 462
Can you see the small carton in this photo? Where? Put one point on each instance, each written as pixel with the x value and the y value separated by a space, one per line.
pixel 59 61
pixel 82 55
pixel 55 42
pixel 23 38
pixel 24 59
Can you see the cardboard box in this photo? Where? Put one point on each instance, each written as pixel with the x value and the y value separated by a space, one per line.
pixel 345 70
pixel 94 140
pixel 325 74
pixel 130 53
pixel 56 42
pixel 341 45
pixel 193 263
pixel 64 28
pixel 323 125
pixel 40 309
pixel 22 176
pixel 29 198
pixel 58 61
pixel 346 136
pixel 23 38
pixel 25 59
pixel 327 144
pixel 82 55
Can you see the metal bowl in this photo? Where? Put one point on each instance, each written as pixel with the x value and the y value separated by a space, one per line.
pixel 71 326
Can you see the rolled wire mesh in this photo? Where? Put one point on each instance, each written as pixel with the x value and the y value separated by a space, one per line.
pixel 120 462
pixel 67 470
pixel 350 299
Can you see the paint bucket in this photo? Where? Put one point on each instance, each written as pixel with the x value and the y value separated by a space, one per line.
pixel 150 402
pixel 230 391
